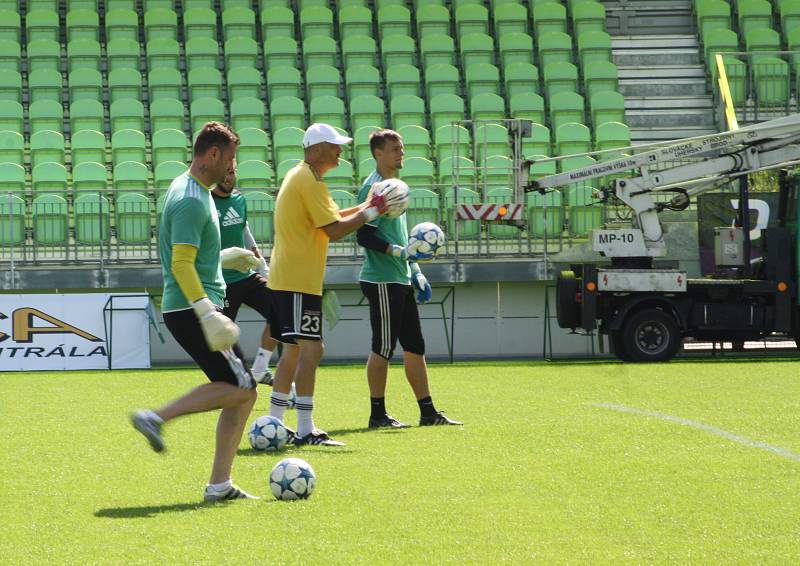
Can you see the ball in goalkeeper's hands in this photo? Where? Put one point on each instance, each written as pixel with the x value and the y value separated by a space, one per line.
pixel 395 195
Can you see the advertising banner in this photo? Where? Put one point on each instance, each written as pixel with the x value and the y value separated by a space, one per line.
pixel 74 331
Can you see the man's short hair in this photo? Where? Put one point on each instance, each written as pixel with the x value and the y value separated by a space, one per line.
pixel 214 134
pixel 378 139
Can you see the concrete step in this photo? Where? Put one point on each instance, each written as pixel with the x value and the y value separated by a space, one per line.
pixel 670 117
pixel 671 87
pixel 662 72
pixel 665 41
pixel 661 56
pixel 704 102
pixel 644 135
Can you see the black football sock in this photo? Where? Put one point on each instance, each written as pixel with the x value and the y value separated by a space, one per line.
pixel 426 407
pixel 378 407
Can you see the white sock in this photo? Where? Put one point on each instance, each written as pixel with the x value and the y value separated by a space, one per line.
pixel 305 422
pixel 152 415
pixel 261 363
pixel 224 486
pixel 278 403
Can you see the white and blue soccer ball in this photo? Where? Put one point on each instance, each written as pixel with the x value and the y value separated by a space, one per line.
pixel 292 478
pixel 426 239
pixel 268 434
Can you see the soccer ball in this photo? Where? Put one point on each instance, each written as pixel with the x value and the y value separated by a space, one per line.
pixel 395 195
pixel 268 434
pixel 426 238
pixel 292 478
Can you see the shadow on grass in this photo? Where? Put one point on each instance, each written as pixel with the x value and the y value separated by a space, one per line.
pixel 150 510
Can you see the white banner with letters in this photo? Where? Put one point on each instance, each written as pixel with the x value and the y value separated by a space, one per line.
pixel 74 331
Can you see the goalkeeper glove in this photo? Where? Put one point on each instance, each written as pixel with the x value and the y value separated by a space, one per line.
pixel 377 206
pixel 262 268
pixel 220 332
pixel 239 259
pixel 410 252
pixel 424 291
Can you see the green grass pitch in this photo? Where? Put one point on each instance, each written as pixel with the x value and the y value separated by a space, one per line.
pixel 706 472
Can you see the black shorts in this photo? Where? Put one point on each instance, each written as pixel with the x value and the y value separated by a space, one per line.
pixel 252 292
pixel 295 315
pixel 224 366
pixel 393 316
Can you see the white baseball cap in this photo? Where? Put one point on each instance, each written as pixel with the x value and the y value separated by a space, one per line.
pixel 318 133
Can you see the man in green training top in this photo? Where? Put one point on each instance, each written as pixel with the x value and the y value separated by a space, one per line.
pixel 389 276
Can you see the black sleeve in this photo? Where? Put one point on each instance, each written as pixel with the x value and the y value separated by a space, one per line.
pixel 367 237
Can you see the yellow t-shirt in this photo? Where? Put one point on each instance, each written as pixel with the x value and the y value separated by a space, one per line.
pixel 302 208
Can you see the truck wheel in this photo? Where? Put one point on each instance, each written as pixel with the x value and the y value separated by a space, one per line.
pixel 567 308
pixel 618 345
pixel 651 335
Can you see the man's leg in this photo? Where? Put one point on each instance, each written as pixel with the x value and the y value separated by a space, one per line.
pixel 305 375
pixel 230 426
pixel 282 384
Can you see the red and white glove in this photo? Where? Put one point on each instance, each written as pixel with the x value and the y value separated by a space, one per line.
pixel 377 206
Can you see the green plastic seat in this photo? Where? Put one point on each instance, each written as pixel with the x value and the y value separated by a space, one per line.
pixel 50 220
pixel 402 79
pixel 169 145
pixel 88 177
pixel 166 172
pixel 260 212
pixel 82 24
pixel 437 49
pixel 85 84
pixel 771 77
pixel 202 52
pixel 122 23
pixel 510 18
pixel 127 145
pixel 205 110
pixel 554 46
pixel 584 212
pixel 81 5
pixel 12 148
pixel 528 106
pixel 127 114
pixel 328 110
pixel 42 25
pixel 11 86
pixel 467 229
pixel 736 72
pixel 394 20
pixel 284 167
pixel 432 19
pixel 130 176
pixel 515 47
pixel 398 49
pixel 44 84
pixel 10 56
pixel 316 20
pixel 241 52
pixel 441 79
pixel 600 76
pixel 719 40
pixel 43 115
pixel 238 21
pixel 244 82
pixel 754 14
pixel 47 146
pixel 9 25
pixel 762 39
pixel 458 171
pixel 549 17
pixel 122 4
pixel 567 107
pixel 92 219
pixel 573 138
pixel 419 173
pixel 11 116
pixel 471 18
pixel 12 210
pixel 87 146
pixel 423 204
pixel 501 195
pixel 255 175
pixel 545 214
pixel 489 140
pixel 407 110
pixel 451 140
pixel 355 20
pixel 358 50
pixel 318 50
pixel 610 106
pixel 342 176
pixel 287 144
pixel 477 48
pixel 362 79
pixel 361 142
pixel 160 23
pixel 446 108
pixel 124 53
pixel 790 15
pixel 538 143
pixel 254 144
pixel 132 218
pixel 322 80
pixel 591 16
pixel 49 177
pixel 43 54
pixel 560 77
pixel 416 141
pixel 166 113
pixel 280 53
pixel 287 112
pixel 199 22
pixel 204 83
pixel 277 22
pixel 612 135
pixel 86 114
pixel 247 112
pixel 487 106
pixel 482 77
pixel 594 46
pixel 161 53
pixel 283 81
pixel 124 84
pixel 12 179
pixel 366 167
pixel 521 78
pixel 366 110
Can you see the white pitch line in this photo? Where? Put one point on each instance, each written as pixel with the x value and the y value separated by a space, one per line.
pixel 708 428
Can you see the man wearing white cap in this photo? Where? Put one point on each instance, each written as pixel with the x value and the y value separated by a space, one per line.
pixel 306 219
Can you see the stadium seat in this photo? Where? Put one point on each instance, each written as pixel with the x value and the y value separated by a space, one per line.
pixel 50 221
pixel 510 17
pixel 446 108
pixel 754 14
pixel 199 22
pixel 458 171
pixel 554 46
pixel 124 53
pixel 247 112
pixel 589 16
pixel 366 110
pixel 737 75
pixel 585 213
pixel 322 80
pixel 477 48
pixel 277 22
pixel 365 168
pixel 13 178
pixel 771 76
pixel 132 219
pixel 515 47
pixel 166 172
pixel 482 77
pixel 81 24
pixel 287 144
pixel 86 114
pixel 12 209
pixel 124 84
pixel 762 39
pixel 560 77
pixel 127 114
pixel 398 49
pixel 127 145
pixel 612 135
pixel 567 107
pixel 9 25
pixel 47 146
pixel 600 76
pixel 44 84
pixel 432 19
pixel 467 229
pixel 42 25
pixel 573 138
pixel 122 23
pixel 49 177
pixel 538 143
pixel 160 23
pixel 549 17
pixel 166 113
pixel 355 20
pixel 85 84
pixel 419 173
pixel 329 110
pixel 527 105
pixel 83 54
pixel 241 52
pixel 281 53
pixel 253 144
pixel 87 146
pixel 497 172
pixel 125 4
pixel 161 53
pixel 284 167
pixel 286 112
pixel 490 140
pixel 260 210
pixel 169 145
pixel 451 140
pixel 521 78
pixel 254 175
pixel 43 54
pixel 11 116
pixel 202 52
pixel 416 141
pixel 361 142
pixel 316 20
pixel 244 82
pixel 341 176
pixel 393 20
pixel 790 15
pixel 205 110
pixel 92 219
pixel 487 106
pixel 441 79
pixel 471 18
pixel 358 50
pixel 283 81
pixel 437 49
pixel 610 106
pixel 12 147
pixel 238 21
pixel 318 50
pixel 204 83
pixel 362 79
pixel 719 40
pixel 43 115
pixel 10 56
pixel 594 46
pixel 11 86
pixel 130 176
pixel 423 204
pixel 402 79
pixel 545 214
pixel 407 110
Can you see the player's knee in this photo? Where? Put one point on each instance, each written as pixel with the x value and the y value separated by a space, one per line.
pixel 247 396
